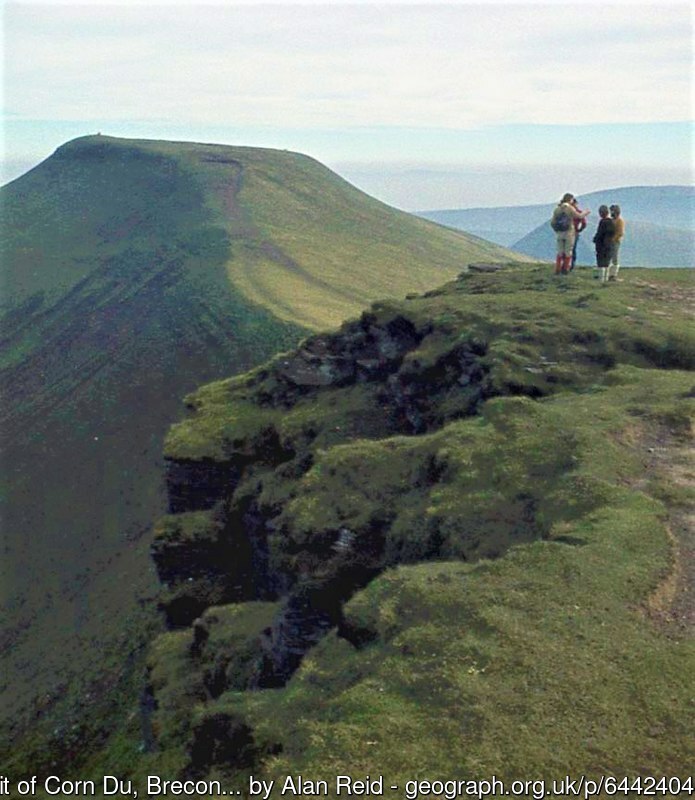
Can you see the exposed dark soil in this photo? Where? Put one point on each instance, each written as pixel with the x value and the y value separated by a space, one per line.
pixel 672 604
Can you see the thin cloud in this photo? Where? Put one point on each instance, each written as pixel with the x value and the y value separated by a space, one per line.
pixel 453 67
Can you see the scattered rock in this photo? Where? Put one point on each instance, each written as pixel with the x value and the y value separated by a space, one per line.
pixel 485 267
pixel 220 738
pixel 194 485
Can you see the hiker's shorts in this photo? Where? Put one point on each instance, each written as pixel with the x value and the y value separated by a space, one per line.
pixel 565 242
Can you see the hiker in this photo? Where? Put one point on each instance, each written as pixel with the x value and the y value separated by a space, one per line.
pixel 614 265
pixel 562 222
pixel 603 240
pixel 579 225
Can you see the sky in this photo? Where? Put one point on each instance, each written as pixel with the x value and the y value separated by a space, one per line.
pixel 424 105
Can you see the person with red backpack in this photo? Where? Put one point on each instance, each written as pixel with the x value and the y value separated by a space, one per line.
pixel 562 222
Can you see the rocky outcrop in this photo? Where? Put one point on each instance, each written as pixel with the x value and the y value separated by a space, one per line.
pixel 305 619
pixel 184 602
pixel 366 352
pixel 196 485
pixel 242 528
pixel 362 351
pixel 352 455
pixel 205 558
pixel 217 544
pixel 187 545
pixel 484 266
pixel 220 739
pixel 414 392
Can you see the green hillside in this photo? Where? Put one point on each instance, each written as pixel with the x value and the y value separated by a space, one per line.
pixel 300 240
pixel 131 272
pixel 451 540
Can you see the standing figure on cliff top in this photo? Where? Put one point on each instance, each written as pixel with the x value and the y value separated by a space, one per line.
pixel 617 239
pixel 562 222
pixel 579 225
pixel 603 240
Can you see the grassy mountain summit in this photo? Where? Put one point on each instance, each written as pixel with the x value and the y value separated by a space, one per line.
pixel 132 272
pixel 451 539
pixel 300 240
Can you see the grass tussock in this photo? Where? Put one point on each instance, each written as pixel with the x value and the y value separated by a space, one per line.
pixel 515 533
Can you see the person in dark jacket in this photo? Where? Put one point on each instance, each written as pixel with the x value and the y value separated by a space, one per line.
pixel 603 240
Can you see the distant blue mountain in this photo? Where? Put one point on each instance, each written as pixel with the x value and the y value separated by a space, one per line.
pixel 501 224
pixel 645 245
pixel 660 220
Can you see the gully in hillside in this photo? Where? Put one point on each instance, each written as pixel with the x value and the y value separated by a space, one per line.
pixel 563 223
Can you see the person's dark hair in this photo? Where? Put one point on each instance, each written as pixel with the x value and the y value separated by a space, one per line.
pixel 603 211
pixel 615 211
pixel 567 198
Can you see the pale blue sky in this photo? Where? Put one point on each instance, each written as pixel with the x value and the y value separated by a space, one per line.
pixel 422 105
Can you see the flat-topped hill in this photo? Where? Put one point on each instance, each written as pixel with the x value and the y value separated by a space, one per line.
pixel 299 240
pixel 132 272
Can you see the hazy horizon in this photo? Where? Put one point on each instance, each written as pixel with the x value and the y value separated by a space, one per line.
pixel 410 102
pixel 426 187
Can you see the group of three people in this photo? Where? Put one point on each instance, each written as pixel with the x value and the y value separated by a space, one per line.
pixel 568 221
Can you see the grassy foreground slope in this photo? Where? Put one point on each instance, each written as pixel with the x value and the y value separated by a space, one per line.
pixel 131 272
pixel 483 499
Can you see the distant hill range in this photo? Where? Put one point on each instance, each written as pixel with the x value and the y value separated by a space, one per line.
pixel 660 225
pixel 132 272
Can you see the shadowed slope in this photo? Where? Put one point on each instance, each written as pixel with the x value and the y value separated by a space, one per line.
pixel 117 302
pixel 132 271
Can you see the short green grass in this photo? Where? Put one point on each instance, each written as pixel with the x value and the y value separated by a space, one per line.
pixel 537 664
pixel 141 257
pixel 508 634
pixel 375 251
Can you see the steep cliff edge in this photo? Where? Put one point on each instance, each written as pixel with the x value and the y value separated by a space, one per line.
pixel 452 429
pixel 131 272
